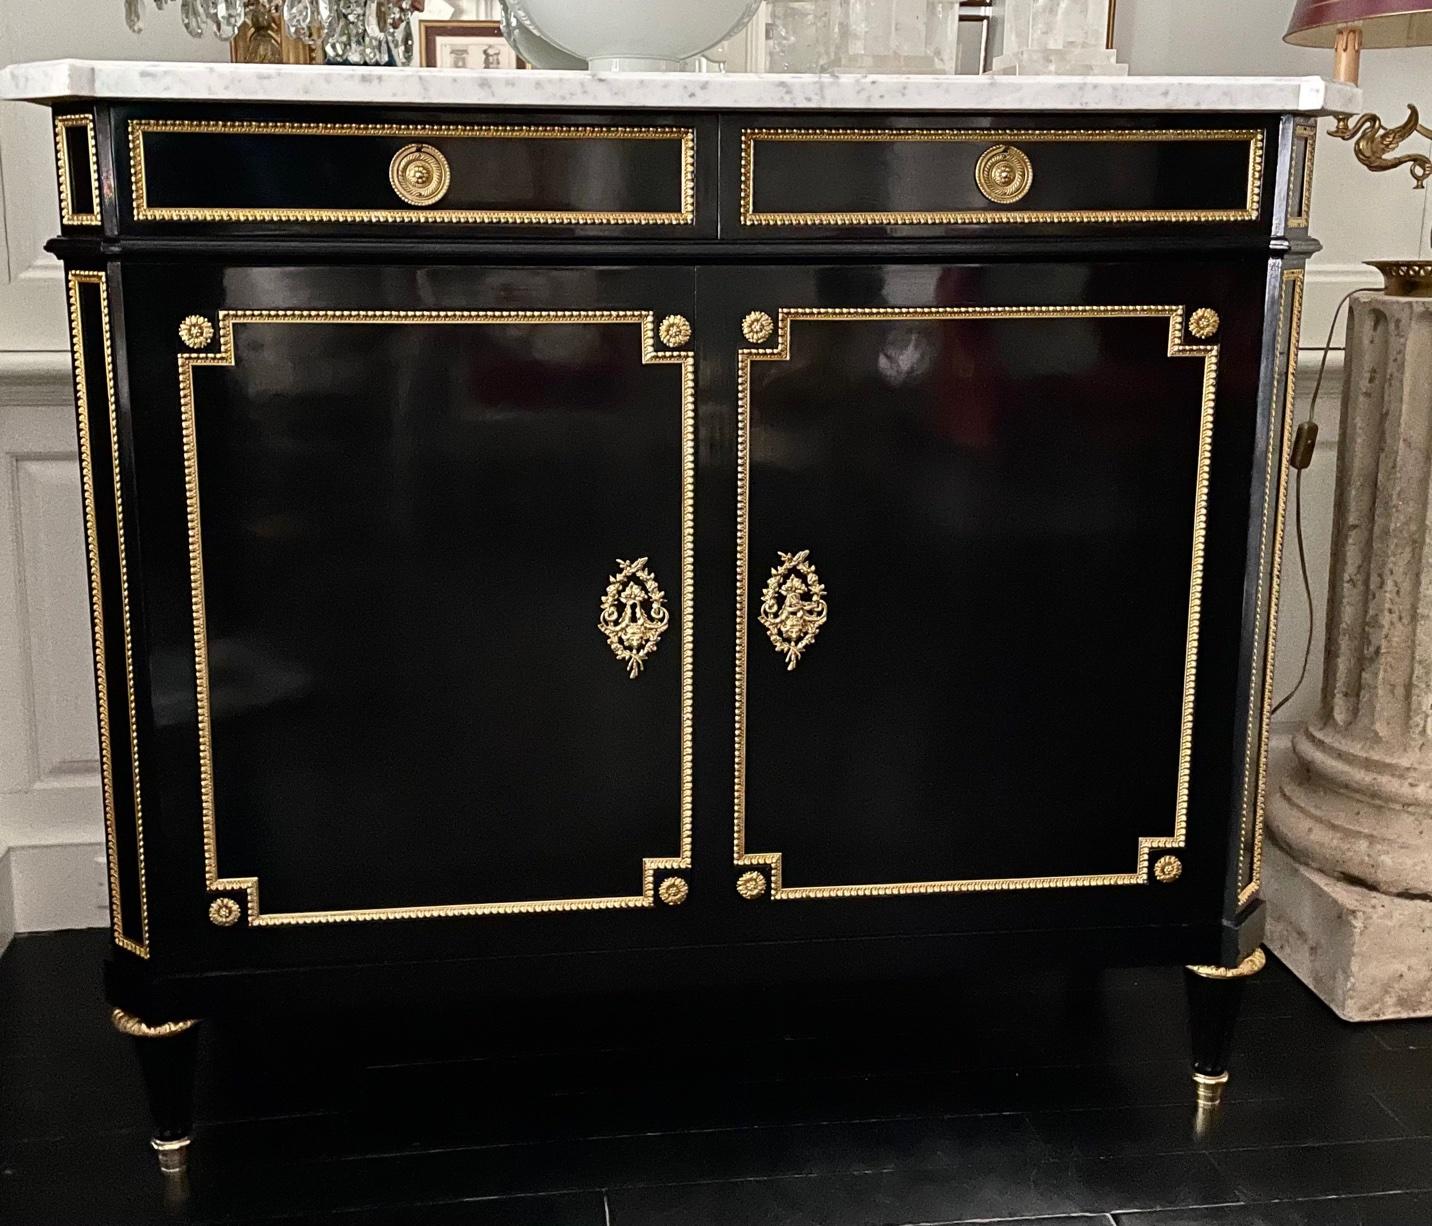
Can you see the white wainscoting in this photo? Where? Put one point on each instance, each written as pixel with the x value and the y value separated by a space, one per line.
pixel 51 827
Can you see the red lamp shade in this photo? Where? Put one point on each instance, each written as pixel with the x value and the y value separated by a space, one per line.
pixel 1384 23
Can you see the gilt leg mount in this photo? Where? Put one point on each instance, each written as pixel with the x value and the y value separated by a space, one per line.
pixel 1214 996
pixel 168 1070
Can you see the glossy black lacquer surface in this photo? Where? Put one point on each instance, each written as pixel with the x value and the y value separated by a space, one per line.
pixel 914 176
pixel 409 464
pixel 1003 510
pixel 295 169
pixel 404 552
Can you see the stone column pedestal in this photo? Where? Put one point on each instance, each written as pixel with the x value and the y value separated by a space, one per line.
pixel 1348 872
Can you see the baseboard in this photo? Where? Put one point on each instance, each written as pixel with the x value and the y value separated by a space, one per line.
pixel 49 886
pixel 7 902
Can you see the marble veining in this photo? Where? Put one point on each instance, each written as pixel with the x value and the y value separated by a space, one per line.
pixel 57 79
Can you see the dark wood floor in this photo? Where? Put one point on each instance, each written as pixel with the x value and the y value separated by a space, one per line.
pixel 1057 1100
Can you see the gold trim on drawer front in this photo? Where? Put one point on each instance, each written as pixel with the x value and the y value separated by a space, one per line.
pixel 1177 348
pixel 653 868
pixel 87 462
pixel 684 215
pixel 993 136
pixel 64 169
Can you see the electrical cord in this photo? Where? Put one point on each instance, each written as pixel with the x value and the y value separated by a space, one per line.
pixel 1309 432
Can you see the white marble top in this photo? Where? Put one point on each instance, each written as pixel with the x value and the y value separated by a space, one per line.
pixel 54 79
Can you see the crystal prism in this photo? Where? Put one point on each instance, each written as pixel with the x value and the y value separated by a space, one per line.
pixel 1057 37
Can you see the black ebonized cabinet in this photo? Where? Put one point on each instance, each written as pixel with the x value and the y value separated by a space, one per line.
pixel 532 555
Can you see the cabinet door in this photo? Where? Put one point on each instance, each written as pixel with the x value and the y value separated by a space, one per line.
pixel 417 550
pixel 991 526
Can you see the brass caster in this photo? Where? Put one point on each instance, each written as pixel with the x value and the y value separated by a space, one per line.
pixel 1209 1088
pixel 173 1155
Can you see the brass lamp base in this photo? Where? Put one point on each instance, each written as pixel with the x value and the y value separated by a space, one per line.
pixel 1405 278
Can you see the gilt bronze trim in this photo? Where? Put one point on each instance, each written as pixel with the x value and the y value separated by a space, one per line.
pixel 1250 965
pixel 750 137
pixel 64 169
pixel 225 356
pixel 87 460
pixel 684 214
pixel 127 1023
pixel 1307 135
pixel 1177 347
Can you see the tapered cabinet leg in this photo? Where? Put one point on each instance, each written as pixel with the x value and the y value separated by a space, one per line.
pixel 1214 996
pixel 166 1058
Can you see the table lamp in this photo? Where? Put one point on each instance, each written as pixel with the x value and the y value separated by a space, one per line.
pixel 1347 26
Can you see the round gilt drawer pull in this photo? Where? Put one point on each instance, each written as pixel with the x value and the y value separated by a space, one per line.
pixel 419 174
pixel 1004 174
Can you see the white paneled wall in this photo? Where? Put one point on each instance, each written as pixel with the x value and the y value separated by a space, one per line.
pixel 51 861
pixel 51 829
pixel 1357 215
pixel 49 773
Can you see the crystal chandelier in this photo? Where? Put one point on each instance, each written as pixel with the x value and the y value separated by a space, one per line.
pixel 349 31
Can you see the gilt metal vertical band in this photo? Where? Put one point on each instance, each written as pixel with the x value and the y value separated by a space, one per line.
pixel 97 564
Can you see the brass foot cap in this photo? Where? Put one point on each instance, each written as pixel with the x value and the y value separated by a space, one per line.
pixel 1209 1087
pixel 173 1155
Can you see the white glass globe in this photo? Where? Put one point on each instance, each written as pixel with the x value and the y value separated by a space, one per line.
pixel 633 35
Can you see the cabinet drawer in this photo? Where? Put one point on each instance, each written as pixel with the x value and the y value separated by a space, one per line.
pixel 344 174
pixel 843 178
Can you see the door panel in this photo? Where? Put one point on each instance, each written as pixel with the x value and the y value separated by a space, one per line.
pixel 981 537
pixel 438 547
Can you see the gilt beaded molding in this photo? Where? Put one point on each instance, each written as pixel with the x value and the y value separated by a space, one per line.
pixel 683 214
pixel 1002 137
pixel 75 280
pixel 64 168
pixel 651 867
pixel 1177 347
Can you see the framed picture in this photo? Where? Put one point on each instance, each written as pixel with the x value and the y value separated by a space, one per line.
pixel 465 44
